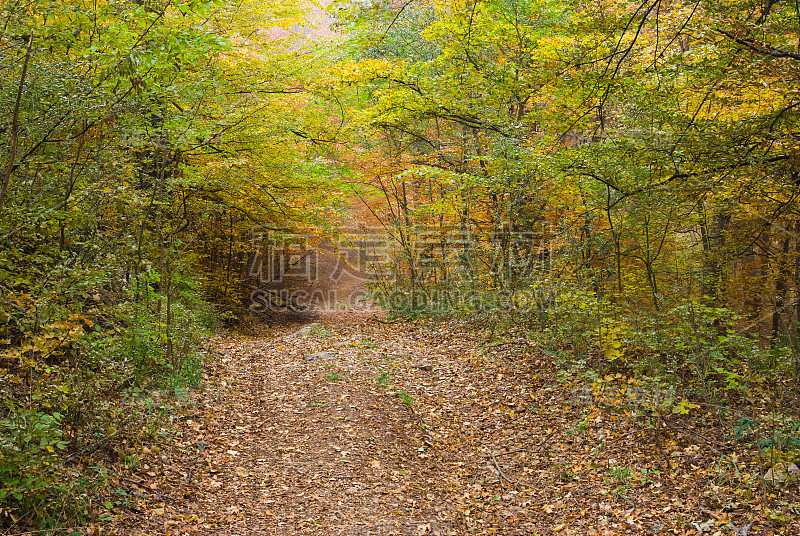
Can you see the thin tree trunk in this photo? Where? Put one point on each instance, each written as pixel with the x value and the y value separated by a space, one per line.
pixel 12 150
pixel 780 289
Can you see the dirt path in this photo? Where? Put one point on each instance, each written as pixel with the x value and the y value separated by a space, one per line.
pixel 314 445
pixel 351 426
pixel 321 432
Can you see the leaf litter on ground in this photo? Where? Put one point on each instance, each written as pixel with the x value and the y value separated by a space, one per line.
pixel 479 440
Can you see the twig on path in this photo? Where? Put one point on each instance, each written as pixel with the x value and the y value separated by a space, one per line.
pixel 714 444
pixel 516 342
pixel 500 471
pixel 546 440
pixel 395 321
pixel 626 434
pixel 505 453
pixel 91 448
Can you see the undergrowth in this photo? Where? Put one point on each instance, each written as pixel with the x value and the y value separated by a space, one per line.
pixel 84 381
pixel 689 375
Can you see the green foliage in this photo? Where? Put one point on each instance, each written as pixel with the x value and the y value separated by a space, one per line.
pixel 635 156
pixel 29 462
pixel 319 330
pixel 140 143
pixel 383 379
pixel 780 440
pixel 334 377
pixel 407 399
pixel 87 394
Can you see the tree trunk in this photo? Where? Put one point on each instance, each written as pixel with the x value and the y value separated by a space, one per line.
pixel 12 150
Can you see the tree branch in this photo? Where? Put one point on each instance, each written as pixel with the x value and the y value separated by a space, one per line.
pixel 763 49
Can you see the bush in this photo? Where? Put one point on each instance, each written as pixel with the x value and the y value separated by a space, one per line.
pixel 73 385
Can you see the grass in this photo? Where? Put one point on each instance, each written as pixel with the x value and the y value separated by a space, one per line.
pixel 406 398
pixel 333 377
pixel 383 379
pixel 319 330
pixel 367 343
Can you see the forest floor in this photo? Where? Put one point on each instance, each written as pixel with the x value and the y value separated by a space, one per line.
pixel 356 426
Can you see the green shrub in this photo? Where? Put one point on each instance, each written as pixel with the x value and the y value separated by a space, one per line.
pixel 30 446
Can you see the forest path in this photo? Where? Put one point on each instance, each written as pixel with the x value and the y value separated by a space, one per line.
pixel 352 426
